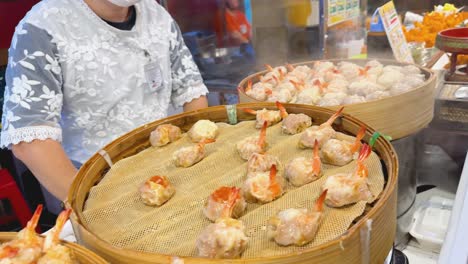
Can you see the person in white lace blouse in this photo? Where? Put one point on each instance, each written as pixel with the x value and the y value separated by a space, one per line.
pixel 83 72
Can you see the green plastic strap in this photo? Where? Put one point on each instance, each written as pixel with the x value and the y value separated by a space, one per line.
pixel 232 114
pixel 375 136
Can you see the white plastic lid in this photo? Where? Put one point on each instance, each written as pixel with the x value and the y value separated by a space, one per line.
pixel 430 222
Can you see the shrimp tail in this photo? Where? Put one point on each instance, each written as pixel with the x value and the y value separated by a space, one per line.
pixel 290 67
pixel 249 86
pixel 360 135
pixel 262 138
pixel 231 202
pixel 53 237
pixel 273 172
pixel 205 141
pixel 283 112
pixel 316 163
pixel 281 74
pixel 298 85
pixel 362 170
pixel 276 79
pixel 268 67
pixel 250 111
pixel 334 116
pixel 320 200
pixel 31 225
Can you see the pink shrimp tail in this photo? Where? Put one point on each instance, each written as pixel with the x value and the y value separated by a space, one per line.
pixel 320 200
pixel 362 170
pixel 276 79
pixel 360 135
pixel 283 111
pixel 334 116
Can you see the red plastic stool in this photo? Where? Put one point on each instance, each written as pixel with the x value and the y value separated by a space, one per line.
pixel 10 191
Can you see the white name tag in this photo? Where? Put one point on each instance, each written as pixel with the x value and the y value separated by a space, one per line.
pixel 153 75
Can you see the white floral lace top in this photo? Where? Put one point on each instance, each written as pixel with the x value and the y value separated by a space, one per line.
pixel 72 75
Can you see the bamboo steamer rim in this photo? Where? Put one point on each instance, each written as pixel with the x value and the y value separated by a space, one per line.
pixel 413 93
pixel 82 254
pixel 381 145
pixel 384 62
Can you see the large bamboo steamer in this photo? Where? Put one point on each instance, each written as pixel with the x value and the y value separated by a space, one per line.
pixel 397 116
pixel 360 244
pixel 83 255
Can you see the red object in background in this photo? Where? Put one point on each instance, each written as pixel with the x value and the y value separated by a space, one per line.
pixel 11 12
pixel 193 15
pixel 10 191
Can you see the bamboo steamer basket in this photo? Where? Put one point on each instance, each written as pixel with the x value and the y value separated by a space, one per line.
pixel 397 116
pixel 83 255
pixel 357 245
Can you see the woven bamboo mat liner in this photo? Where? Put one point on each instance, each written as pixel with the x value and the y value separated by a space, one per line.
pixel 115 213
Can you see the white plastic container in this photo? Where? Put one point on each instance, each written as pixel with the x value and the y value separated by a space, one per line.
pixel 430 223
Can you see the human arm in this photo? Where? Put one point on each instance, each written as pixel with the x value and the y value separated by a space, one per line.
pixel 48 162
pixel 32 109
pixel 198 103
pixel 188 89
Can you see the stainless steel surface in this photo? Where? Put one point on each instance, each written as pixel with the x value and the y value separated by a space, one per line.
pixel 462 93
pixel 408 149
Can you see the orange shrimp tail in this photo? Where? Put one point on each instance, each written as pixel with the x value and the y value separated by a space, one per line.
pixel 320 200
pixel 360 135
pixel 290 67
pixel 334 116
pixel 268 67
pixel 161 180
pixel 231 202
pixel 35 219
pixel 268 91
pixel 273 172
pixel 61 219
pixel 206 141
pixel 262 138
pixel 316 163
pixel 297 85
pixel 363 72
pixel 283 112
pixel 275 188
pixel 336 71
pixel 250 111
